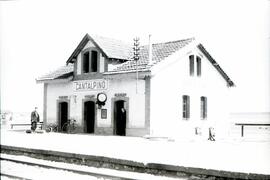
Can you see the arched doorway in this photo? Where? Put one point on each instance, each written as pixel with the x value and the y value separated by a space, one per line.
pixel 89 116
pixel 120 117
pixel 62 114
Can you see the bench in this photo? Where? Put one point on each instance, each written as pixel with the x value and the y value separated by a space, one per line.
pixel 248 124
pixel 39 124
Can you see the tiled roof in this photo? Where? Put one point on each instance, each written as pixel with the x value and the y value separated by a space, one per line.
pixel 120 50
pixel 113 48
pixel 159 52
pixel 61 73
pixel 116 49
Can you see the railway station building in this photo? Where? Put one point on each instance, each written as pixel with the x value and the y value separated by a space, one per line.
pixel 175 89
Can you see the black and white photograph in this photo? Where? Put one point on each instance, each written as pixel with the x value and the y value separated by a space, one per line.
pixel 133 89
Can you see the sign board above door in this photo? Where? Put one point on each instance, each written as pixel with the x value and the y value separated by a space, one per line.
pixel 90 85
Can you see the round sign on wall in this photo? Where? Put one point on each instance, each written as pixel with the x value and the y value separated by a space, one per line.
pixel 102 97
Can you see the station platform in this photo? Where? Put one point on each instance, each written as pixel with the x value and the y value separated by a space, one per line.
pixel 232 158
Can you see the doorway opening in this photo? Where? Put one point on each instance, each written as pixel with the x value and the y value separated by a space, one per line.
pixel 63 114
pixel 89 116
pixel 120 118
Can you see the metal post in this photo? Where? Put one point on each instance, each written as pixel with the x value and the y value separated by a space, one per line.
pixel 242 131
pixel 137 77
pixel 136 50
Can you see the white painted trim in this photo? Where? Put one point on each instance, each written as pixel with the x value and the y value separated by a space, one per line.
pixel 54 80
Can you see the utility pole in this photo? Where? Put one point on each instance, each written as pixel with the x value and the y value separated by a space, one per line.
pixel 136 57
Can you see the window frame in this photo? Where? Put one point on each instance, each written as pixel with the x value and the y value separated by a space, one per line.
pixel 93 65
pixel 92 60
pixel 203 107
pixel 191 65
pixel 185 107
pixel 199 66
pixel 85 66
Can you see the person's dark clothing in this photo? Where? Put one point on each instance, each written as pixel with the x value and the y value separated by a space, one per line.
pixel 34 120
pixel 33 126
pixel 121 123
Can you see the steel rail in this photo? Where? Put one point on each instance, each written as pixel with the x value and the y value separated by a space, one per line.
pixel 13 177
pixel 99 175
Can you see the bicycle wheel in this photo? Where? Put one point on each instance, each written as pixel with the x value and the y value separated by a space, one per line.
pixel 55 128
pixel 48 129
pixel 65 128
pixel 51 128
pixel 72 128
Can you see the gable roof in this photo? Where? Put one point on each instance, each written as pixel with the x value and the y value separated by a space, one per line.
pixel 60 73
pixel 115 49
pixel 159 52
pixel 110 48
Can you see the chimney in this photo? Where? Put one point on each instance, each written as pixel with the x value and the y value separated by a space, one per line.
pixel 150 62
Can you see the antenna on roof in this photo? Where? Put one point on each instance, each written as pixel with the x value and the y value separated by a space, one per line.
pixel 136 57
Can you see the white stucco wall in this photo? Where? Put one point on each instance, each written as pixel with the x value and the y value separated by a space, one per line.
pixel 128 86
pixel 101 63
pixel 116 84
pixel 171 82
pixel 89 44
pixel 54 90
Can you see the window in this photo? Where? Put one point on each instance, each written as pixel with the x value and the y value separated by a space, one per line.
pixel 94 58
pixel 86 62
pixel 191 65
pixel 199 68
pixel 186 107
pixel 90 61
pixel 203 107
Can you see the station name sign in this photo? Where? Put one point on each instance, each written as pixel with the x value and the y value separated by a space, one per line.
pixel 90 85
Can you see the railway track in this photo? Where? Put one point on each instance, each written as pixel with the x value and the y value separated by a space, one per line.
pixel 57 167
pixel 110 168
pixel 80 172
pixel 13 177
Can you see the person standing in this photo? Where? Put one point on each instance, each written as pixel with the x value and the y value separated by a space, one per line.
pixel 123 122
pixel 34 119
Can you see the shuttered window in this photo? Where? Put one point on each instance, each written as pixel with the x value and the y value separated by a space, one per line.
pixel 203 107
pixel 86 62
pixel 186 107
pixel 199 66
pixel 191 65
pixel 94 59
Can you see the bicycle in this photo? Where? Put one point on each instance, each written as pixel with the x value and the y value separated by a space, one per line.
pixel 52 128
pixel 69 126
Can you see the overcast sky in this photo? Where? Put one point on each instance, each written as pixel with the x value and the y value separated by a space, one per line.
pixel 39 36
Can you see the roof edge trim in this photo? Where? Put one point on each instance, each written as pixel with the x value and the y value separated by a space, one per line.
pixel 80 46
pixel 230 83
pixel 54 80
